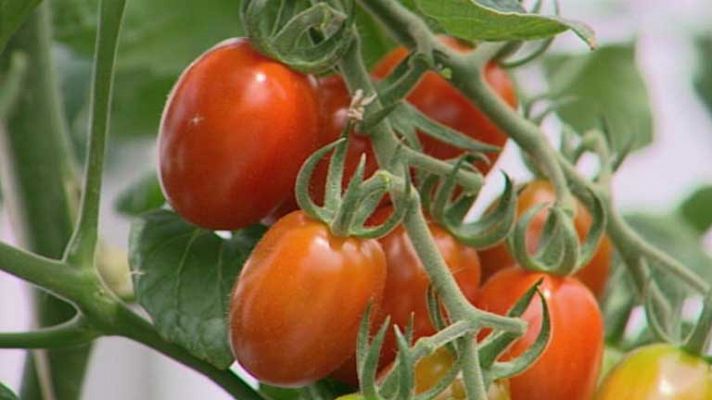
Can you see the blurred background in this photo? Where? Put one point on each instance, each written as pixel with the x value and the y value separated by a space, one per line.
pixel 669 42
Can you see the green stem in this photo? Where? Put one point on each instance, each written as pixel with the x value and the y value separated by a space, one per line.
pixel 12 84
pixel 82 247
pixel 471 372
pixel 132 326
pixel 71 333
pixel 39 185
pixel 702 333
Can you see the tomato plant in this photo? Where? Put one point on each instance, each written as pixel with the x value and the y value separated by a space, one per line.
pixel 297 305
pixel 235 120
pixel 594 274
pixel 658 371
pixel 438 99
pixel 569 366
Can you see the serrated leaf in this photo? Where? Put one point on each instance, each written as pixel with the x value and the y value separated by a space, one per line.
pixel 142 195
pixel 12 14
pixel 703 78
pixel 6 393
pixel 697 209
pixel 183 276
pixel 605 84
pixel 498 20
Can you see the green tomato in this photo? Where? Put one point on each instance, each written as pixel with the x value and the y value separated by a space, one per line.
pixel 658 372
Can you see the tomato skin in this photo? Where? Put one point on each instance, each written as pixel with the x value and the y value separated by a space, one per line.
pixel 438 99
pixel 297 306
pixel 594 274
pixel 235 120
pixel 569 366
pixel 407 285
pixel 658 372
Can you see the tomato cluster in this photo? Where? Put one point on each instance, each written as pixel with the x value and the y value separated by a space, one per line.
pixel 235 131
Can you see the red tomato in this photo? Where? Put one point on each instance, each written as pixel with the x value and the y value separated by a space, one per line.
pixel 297 306
pixel 436 98
pixel 594 274
pixel 568 368
pixel 658 371
pixel 407 285
pixel 234 121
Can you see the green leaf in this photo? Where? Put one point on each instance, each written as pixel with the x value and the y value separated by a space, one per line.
pixel 183 276
pixel 12 14
pixel 697 209
pixel 159 39
pixel 6 393
pixel 672 234
pixel 142 195
pixel 703 79
pixel 605 85
pixel 498 20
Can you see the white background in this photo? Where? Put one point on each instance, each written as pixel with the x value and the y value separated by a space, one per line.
pixel 654 179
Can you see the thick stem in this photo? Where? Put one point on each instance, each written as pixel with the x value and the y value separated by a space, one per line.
pixel 38 185
pixel 132 326
pixel 471 372
pixel 82 247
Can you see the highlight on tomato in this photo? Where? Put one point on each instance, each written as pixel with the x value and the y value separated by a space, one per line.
pixel 568 368
pixel 234 121
pixel 297 305
pixel 658 371
pixel 407 283
pixel 435 97
pixel 594 274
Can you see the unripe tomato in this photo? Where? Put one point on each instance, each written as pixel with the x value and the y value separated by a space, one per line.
pixel 438 99
pixel 594 274
pixel 431 369
pixel 658 372
pixel 407 285
pixel 298 303
pixel 235 131
pixel 569 365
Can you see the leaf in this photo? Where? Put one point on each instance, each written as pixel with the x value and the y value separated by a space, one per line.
pixel 6 393
pixel 183 276
pixel 672 234
pixel 12 14
pixel 142 195
pixel 158 40
pixel 703 78
pixel 697 209
pixel 605 84
pixel 498 20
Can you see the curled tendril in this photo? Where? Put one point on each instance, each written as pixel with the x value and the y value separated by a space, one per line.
pixel 558 248
pixel 492 228
pixel 290 37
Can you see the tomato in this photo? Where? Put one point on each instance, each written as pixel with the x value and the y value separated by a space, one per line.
pixel 407 285
pixel 594 274
pixel 569 365
pixel 298 303
pixel 658 372
pixel 234 121
pixel 438 99
pixel 434 367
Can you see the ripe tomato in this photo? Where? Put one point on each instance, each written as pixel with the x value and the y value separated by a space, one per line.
pixel 297 306
pixel 436 98
pixel 568 368
pixel 594 274
pixel 659 371
pixel 234 121
pixel 431 369
pixel 407 285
